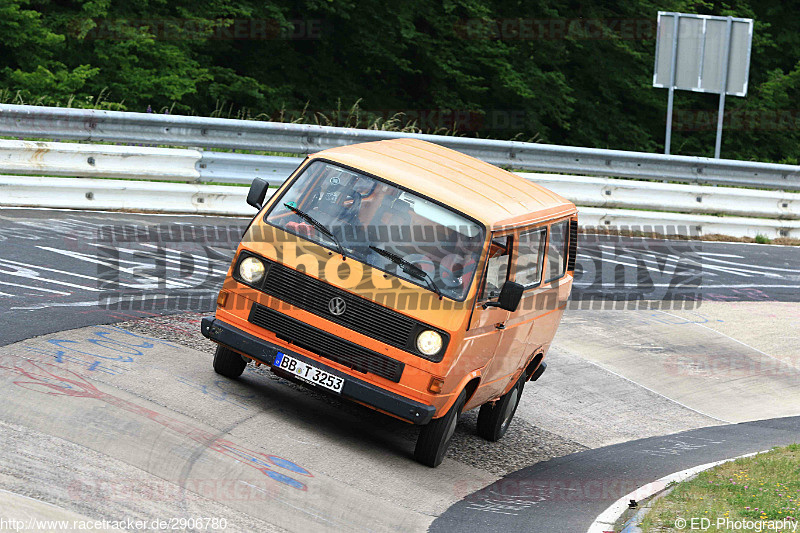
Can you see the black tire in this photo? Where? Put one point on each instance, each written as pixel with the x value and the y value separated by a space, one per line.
pixel 435 436
pixel 495 418
pixel 228 363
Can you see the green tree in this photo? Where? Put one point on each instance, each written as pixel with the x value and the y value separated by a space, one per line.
pixel 557 71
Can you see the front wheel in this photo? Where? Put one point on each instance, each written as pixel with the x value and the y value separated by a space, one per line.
pixel 435 437
pixel 228 363
pixel 494 419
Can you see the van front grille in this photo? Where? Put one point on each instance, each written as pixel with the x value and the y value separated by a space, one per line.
pixel 325 344
pixel 361 315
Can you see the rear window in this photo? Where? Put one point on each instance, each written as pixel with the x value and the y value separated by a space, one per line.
pixel 530 258
pixel 557 251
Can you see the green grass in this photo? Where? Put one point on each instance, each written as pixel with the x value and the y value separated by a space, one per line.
pixel 760 488
pixel 762 239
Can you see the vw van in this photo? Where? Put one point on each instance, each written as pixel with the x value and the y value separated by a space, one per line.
pixel 404 276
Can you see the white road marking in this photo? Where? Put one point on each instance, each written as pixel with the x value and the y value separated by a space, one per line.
pixel 792 270
pixel 736 265
pixel 168 259
pixel 43 289
pixel 32 274
pixel 605 259
pixel 106 301
pixel 738 271
pixel 87 258
pixel 52 304
pixel 135 270
pixel 711 285
pixel 8 262
pixel 719 255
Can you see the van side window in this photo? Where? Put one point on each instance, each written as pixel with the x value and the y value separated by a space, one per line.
pixel 497 267
pixel 530 258
pixel 557 251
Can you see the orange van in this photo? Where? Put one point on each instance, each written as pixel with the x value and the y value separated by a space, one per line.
pixel 404 276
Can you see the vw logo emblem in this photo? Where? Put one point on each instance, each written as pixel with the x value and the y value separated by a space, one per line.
pixel 337 306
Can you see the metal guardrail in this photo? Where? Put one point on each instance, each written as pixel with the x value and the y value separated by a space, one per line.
pixel 148 197
pixel 115 195
pixel 174 164
pixel 671 197
pixel 41 158
pixel 602 201
pixel 226 167
pixel 200 132
pixel 98 161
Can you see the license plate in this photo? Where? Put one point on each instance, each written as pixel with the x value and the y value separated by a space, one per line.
pixel 307 372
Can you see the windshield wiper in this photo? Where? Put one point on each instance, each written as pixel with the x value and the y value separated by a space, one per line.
pixel 314 222
pixel 408 268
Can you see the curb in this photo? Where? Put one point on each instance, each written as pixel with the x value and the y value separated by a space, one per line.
pixel 632 525
pixel 605 521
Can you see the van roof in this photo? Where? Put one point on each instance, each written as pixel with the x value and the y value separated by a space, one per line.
pixel 489 194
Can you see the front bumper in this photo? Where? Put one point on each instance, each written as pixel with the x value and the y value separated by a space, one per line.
pixel 354 388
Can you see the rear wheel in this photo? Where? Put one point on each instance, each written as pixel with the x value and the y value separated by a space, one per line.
pixel 435 437
pixel 495 419
pixel 228 363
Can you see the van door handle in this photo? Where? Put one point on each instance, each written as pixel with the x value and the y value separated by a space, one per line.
pixel 500 325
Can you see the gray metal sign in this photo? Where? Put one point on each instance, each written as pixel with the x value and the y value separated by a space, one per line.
pixel 702 53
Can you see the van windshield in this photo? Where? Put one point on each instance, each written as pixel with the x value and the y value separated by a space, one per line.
pixel 382 225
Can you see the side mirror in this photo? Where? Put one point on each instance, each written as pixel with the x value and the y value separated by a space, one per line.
pixel 510 296
pixel 258 191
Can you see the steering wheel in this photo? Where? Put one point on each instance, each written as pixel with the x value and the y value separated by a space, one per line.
pixel 452 271
pixel 450 277
pixel 349 213
pixel 423 262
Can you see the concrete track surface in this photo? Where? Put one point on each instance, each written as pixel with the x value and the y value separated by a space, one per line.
pixel 107 422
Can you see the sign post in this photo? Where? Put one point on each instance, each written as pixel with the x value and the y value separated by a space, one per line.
pixel 702 53
pixel 668 137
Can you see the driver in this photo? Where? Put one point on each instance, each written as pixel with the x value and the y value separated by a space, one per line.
pixel 457 267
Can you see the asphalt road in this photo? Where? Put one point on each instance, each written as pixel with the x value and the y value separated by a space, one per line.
pixel 568 493
pixel 61 270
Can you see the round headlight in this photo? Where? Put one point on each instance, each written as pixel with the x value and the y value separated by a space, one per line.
pixel 429 342
pixel 251 270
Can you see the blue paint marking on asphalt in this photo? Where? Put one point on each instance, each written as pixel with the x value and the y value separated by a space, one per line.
pixel 64 357
pixel 246 457
pixel 60 344
pixel 288 465
pixel 152 340
pixel 108 344
pixel 266 468
pixel 100 351
pixel 277 476
pixel 216 391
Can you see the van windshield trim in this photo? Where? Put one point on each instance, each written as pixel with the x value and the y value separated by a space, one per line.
pixel 277 200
